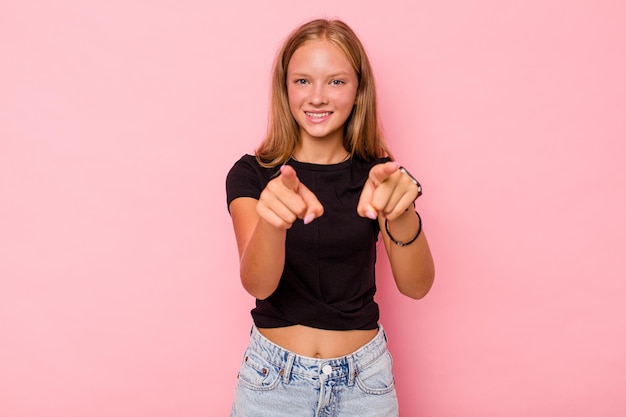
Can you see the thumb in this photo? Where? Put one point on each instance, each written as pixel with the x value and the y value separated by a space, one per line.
pixel 364 207
pixel 378 174
pixel 314 208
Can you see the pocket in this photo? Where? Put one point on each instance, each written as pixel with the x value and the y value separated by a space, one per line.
pixel 377 378
pixel 256 373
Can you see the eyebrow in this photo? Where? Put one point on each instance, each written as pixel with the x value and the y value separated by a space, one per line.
pixel 303 74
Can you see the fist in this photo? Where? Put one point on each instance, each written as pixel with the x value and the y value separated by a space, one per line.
pixel 286 199
pixel 387 192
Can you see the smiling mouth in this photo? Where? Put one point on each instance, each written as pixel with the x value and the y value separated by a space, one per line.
pixel 317 115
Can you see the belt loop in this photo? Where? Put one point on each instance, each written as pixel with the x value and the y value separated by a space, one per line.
pixel 288 365
pixel 351 370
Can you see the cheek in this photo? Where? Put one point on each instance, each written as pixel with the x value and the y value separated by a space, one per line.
pixel 347 99
pixel 293 98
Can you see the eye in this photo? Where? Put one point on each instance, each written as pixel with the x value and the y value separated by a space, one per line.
pixel 300 81
pixel 337 82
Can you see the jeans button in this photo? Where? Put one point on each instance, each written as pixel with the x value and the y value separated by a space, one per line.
pixel 327 369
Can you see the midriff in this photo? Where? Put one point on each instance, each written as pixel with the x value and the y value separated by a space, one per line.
pixel 318 343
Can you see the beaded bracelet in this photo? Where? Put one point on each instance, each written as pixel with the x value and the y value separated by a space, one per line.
pixel 397 242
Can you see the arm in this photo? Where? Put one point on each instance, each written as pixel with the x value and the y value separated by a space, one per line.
pixel 261 229
pixel 412 265
pixel 389 194
pixel 261 248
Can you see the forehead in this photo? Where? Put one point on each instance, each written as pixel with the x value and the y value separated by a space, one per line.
pixel 318 56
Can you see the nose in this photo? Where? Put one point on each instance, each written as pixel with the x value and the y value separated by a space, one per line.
pixel 318 95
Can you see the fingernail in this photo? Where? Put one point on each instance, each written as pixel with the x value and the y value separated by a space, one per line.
pixel 397 164
pixel 371 215
pixel 309 218
pixel 282 167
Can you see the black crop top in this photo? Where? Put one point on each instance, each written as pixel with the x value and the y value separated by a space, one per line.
pixel 329 277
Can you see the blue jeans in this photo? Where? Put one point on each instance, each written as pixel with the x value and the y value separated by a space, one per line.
pixel 274 382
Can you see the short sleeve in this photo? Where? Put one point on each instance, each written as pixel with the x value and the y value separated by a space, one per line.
pixel 246 179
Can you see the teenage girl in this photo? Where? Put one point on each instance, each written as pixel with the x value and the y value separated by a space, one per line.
pixel 308 209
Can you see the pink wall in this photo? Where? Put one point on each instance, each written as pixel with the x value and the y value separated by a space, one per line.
pixel 119 290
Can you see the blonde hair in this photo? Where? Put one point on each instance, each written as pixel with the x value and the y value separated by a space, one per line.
pixel 362 133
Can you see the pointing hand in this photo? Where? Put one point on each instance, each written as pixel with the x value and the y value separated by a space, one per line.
pixel 286 199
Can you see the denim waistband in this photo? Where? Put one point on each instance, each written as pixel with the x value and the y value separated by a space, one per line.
pixel 332 368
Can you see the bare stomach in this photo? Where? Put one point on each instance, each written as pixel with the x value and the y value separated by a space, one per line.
pixel 319 343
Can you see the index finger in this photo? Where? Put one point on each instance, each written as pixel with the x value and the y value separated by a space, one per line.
pixel 379 173
pixel 289 178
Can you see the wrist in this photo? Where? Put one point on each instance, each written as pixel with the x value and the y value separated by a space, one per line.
pixel 402 230
pixel 407 219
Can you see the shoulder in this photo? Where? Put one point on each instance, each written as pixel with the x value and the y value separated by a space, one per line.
pixel 247 178
pixel 380 161
pixel 245 161
pixel 248 165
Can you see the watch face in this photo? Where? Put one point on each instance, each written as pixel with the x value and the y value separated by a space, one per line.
pixel 416 182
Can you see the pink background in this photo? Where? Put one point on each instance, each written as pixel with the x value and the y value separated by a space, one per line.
pixel 119 289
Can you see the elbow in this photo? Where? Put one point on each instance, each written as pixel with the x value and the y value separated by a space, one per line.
pixel 420 287
pixel 255 289
pixel 415 294
pixel 259 295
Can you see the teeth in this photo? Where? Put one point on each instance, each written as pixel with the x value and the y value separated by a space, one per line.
pixel 317 115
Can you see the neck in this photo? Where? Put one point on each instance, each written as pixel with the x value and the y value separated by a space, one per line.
pixel 321 159
pixel 321 155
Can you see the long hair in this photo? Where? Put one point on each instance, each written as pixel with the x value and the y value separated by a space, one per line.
pixel 362 133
